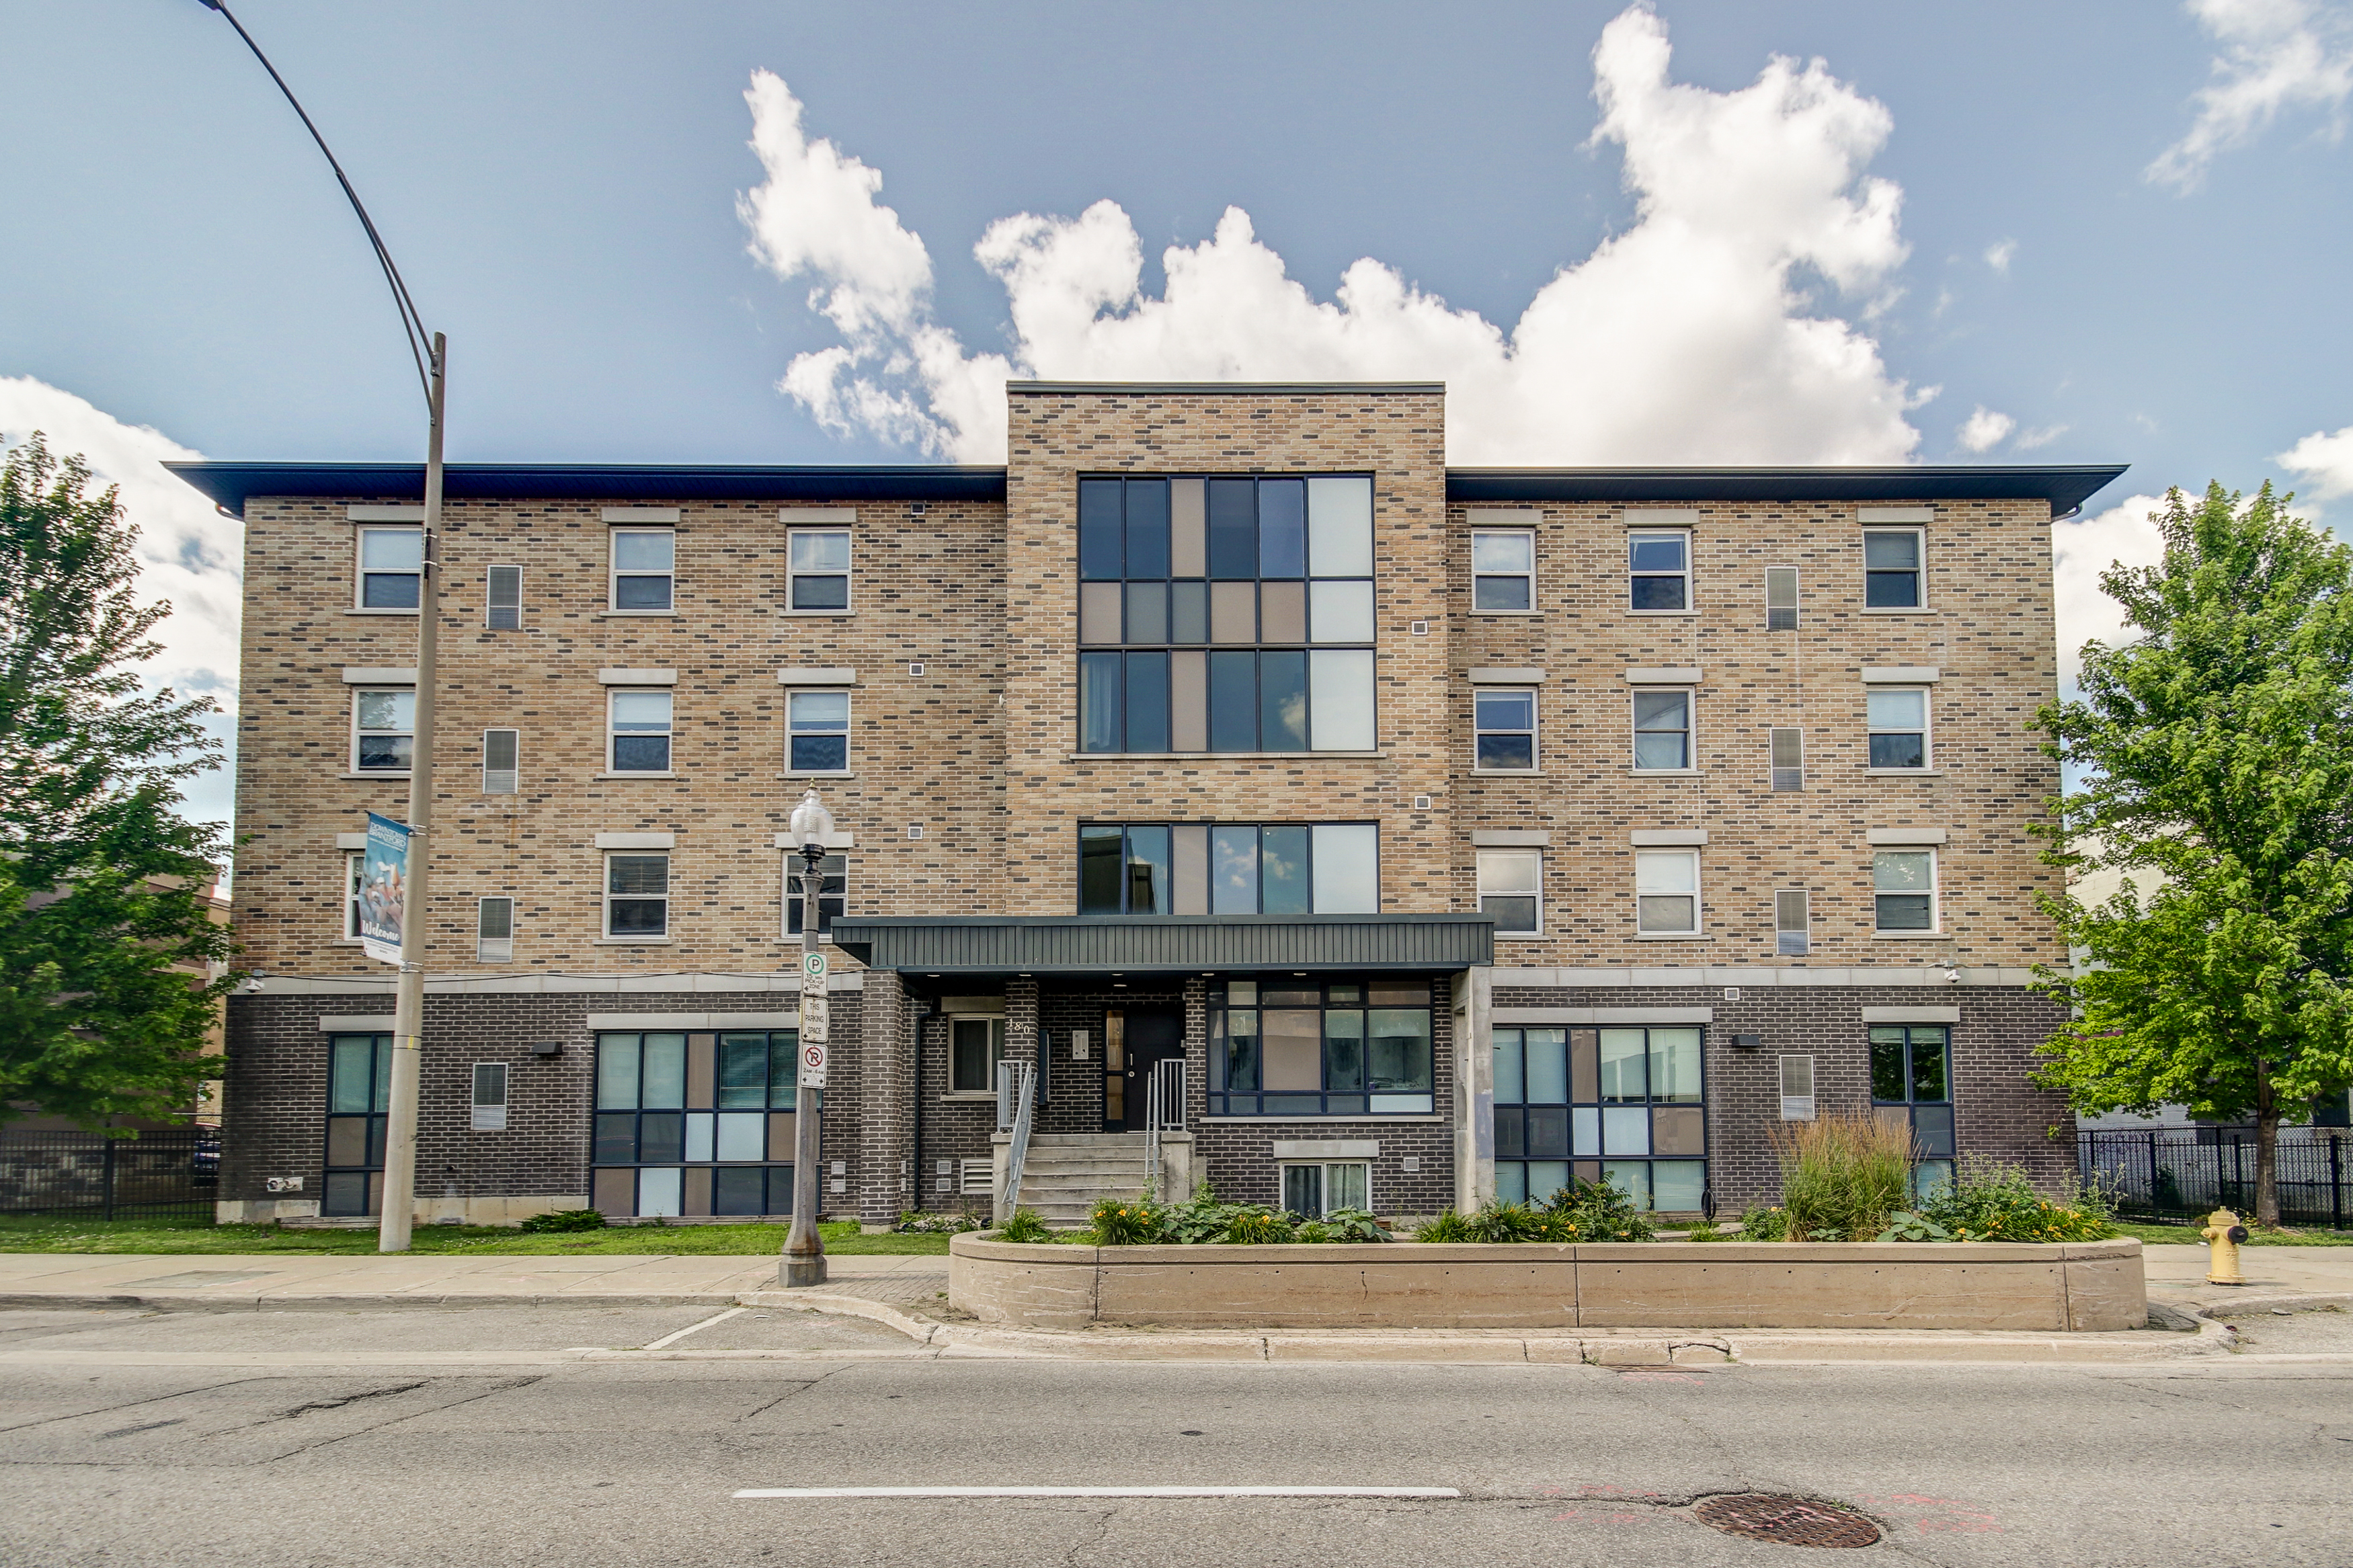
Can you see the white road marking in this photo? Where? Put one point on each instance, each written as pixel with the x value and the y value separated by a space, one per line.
pixel 667 1339
pixel 1096 1491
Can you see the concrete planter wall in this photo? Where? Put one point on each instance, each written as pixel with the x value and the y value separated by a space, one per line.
pixel 2061 1288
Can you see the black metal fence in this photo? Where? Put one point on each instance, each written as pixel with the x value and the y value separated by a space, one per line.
pixel 155 1176
pixel 2185 1173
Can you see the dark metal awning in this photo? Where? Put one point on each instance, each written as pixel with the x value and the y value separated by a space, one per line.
pixel 975 944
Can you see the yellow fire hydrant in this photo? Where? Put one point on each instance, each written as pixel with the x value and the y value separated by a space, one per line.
pixel 2223 1232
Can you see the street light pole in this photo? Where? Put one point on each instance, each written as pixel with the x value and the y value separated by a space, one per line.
pixel 804 1260
pixel 430 351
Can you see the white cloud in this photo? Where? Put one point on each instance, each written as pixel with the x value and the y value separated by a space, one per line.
pixel 2080 551
pixel 2041 437
pixel 1985 430
pixel 1997 256
pixel 188 552
pixel 2276 54
pixel 1695 335
pixel 2326 459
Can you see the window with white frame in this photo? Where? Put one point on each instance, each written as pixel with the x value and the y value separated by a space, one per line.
pixel 1504 723
pixel 1792 922
pixel 636 895
pixel 1903 889
pixel 1786 750
pixel 1511 889
pixel 645 564
pixel 976 1045
pixel 494 930
pixel 391 568
pixel 1897 717
pixel 1503 571
pixel 1658 567
pixel 1892 568
pixel 489 1096
pixel 1662 729
pixel 1314 1191
pixel 817 731
pixel 816 569
pixel 384 728
pixel 1780 598
pixel 502 603
pixel 354 869
pixel 640 730
pixel 501 761
pixel 1797 1088
pixel 1666 892
pixel 833 873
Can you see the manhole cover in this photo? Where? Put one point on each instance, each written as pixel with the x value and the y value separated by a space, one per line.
pixel 1790 1520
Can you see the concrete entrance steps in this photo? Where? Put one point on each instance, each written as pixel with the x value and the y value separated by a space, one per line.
pixel 1067 1173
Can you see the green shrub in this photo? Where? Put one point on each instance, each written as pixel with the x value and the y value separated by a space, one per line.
pixel 1351 1225
pixel 1255 1224
pixel 1992 1201
pixel 1904 1226
pixel 1705 1231
pixel 566 1219
pixel 1842 1176
pixel 1125 1222
pixel 1447 1226
pixel 1595 1211
pixel 1762 1223
pixel 1026 1226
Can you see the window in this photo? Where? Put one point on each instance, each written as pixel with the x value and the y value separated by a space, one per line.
pixel 1225 615
pixel 1511 889
pixel 1506 725
pixel 833 874
pixel 1230 869
pixel 1898 719
pixel 1797 1088
pixel 1904 889
pixel 494 930
pixel 1780 598
pixel 359 1093
pixel 976 1045
pixel 501 763
pixel 384 728
pixel 644 560
pixel 392 568
pixel 816 569
pixel 1791 922
pixel 695 1123
pixel 1622 1105
pixel 1503 571
pixel 1311 1192
pixel 1912 1084
pixel 640 731
pixel 817 731
pixel 1891 568
pixel 1662 727
pixel 1307 1048
pixel 1659 565
pixel 354 864
pixel 1666 892
pixel 1788 748
pixel 636 895
pixel 502 609
pixel 489 1096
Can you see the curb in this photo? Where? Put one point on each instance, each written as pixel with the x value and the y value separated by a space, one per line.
pixel 221 1301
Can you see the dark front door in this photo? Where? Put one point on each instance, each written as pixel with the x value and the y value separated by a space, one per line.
pixel 1132 1043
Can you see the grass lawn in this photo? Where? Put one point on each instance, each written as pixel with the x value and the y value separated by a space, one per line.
pixel 2187 1236
pixel 37 1233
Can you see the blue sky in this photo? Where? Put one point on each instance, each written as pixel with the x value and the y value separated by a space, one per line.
pixel 1998 232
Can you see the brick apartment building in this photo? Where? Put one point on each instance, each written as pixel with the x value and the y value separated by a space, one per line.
pixel 1459 830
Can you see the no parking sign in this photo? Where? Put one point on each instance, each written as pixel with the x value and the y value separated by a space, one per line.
pixel 816 1020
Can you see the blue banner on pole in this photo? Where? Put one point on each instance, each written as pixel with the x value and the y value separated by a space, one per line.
pixel 383 887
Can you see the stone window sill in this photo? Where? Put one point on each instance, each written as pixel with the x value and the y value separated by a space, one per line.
pixel 1662 772
pixel 635 941
pixel 1656 614
pixel 634 775
pixel 845 774
pixel 1895 610
pixel 1507 773
pixel 1672 936
pixel 968 1097
pixel 401 777
pixel 1223 756
pixel 1903 772
pixel 1506 612
pixel 379 612
pixel 634 614
pixel 1911 936
pixel 820 614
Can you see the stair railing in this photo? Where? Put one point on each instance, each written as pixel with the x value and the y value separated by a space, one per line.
pixel 1016 1098
pixel 1163 1102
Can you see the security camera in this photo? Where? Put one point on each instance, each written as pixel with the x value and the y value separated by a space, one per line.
pixel 253 986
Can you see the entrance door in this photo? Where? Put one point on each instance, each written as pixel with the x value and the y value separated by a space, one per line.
pixel 1132 1043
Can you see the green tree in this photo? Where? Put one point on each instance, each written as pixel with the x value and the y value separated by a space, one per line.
pixel 2217 756
pixel 102 879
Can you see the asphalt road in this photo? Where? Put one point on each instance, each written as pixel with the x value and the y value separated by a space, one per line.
pixel 192 1439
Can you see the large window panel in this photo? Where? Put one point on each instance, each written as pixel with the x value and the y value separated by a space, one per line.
pixel 1340 699
pixel 1233 701
pixel 1147 702
pixel 1148 529
pixel 1282 527
pixel 1228 869
pixel 1099 707
pixel 1622 1105
pixel 1346 857
pixel 1340 612
pixel 1234 866
pixel 1340 526
pixel 1101 552
pixel 1282 701
pixel 1282 873
pixel 1233 528
pixel 1309 1048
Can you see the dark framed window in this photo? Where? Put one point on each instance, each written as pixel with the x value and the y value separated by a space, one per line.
pixel 1912 1082
pixel 636 895
pixel 976 1045
pixel 359 1093
pixel 1226 613
pixel 1623 1105
pixel 1230 869
pixel 692 1123
pixel 1503 723
pixel 1314 1047
pixel 1312 1191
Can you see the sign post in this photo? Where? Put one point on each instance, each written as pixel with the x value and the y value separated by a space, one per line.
pixel 804 1262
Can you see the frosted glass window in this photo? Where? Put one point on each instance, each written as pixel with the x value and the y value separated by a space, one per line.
pixel 698 1135
pixel 664 1085
pixel 1633 1180
pixel 1347 871
pixel 1678 1186
pixel 617 1075
pixel 1622 1051
pixel 1674 1066
pixel 658 1192
pixel 1340 612
pixel 1340 700
pixel 1548 1069
pixel 1340 526
pixel 1510 1067
pixel 1584 1131
pixel 743 1135
pixel 1625 1130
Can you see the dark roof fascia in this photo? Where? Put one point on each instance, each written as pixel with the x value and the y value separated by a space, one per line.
pixel 229 484
pixel 2065 487
pixel 1219 388
pixel 1078 944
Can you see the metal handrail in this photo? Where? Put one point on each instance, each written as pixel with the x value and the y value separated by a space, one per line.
pixel 1016 1098
pixel 1163 1101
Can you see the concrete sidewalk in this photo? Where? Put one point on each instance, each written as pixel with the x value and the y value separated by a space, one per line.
pixel 2177 1274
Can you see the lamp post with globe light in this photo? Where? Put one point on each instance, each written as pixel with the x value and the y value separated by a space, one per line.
pixel 803 1258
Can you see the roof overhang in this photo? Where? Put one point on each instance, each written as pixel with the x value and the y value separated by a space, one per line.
pixel 1200 944
pixel 229 484
pixel 2065 487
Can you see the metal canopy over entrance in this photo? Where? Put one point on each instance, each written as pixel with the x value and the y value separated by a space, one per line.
pixel 989 944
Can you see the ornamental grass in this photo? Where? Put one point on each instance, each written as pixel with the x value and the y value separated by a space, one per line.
pixel 1844 1176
